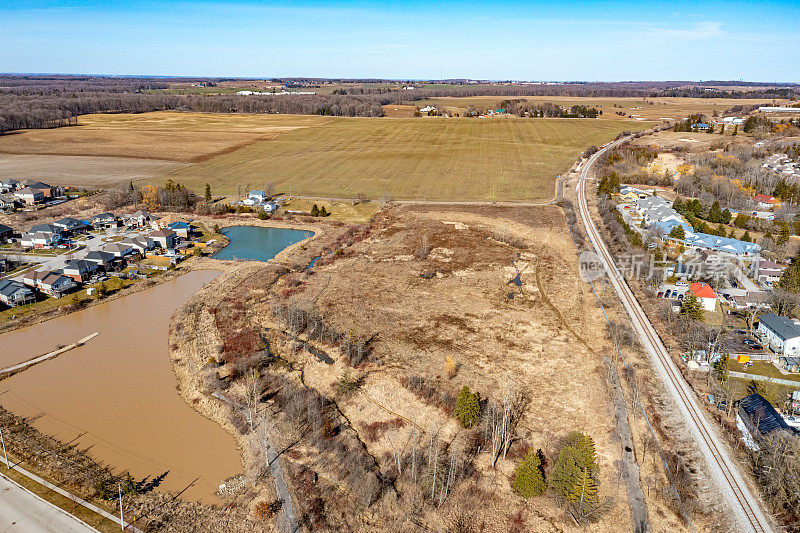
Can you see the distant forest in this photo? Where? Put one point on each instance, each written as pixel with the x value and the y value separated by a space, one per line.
pixel 40 101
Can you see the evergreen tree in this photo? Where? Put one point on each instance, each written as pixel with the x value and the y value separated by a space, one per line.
pixel 691 306
pixel 576 462
pixel 740 221
pixel 715 213
pixel 323 212
pixel 314 210
pixel 746 237
pixel 208 193
pixel 677 233
pixel 726 216
pixel 732 234
pixel 468 407
pixel 785 232
pixel 129 484
pixel 584 490
pixel 529 476
pixel 790 279
pixel 721 231
pixel 702 228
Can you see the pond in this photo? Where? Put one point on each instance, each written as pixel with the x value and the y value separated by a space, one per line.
pixel 117 392
pixel 256 243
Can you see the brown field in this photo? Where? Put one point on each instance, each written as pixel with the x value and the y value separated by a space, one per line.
pixel 639 108
pixel 399 111
pixel 164 135
pixel 83 171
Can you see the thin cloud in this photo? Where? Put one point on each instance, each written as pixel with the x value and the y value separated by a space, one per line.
pixel 698 31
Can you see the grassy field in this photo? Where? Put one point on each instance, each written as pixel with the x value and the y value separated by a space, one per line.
pixel 642 108
pixel 433 159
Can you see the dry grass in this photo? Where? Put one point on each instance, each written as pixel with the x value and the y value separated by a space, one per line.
pixel 432 158
pixel 167 135
pixel 375 288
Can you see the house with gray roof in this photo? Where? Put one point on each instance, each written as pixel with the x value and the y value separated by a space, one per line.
pixel 14 293
pixel 6 232
pixel 56 285
pixel 70 225
pixel 100 258
pixel 79 270
pixel 761 418
pixel 782 333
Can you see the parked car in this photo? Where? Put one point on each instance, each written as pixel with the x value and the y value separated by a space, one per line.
pixel 723 405
pixel 756 347
pixel 660 294
pixel 666 294
pixel 680 297
pixel 681 284
pixel 750 342
pixel 741 332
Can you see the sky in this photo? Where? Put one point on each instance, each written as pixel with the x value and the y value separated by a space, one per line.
pixel 407 39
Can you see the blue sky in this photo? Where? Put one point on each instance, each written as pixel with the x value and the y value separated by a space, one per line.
pixel 554 40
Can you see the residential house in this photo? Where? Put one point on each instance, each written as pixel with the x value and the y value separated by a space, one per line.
pixel 29 196
pixel 631 194
pixel 165 238
pixel 751 300
pixel 164 222
pixel 14 293
pixel 105 220
pixel 258 197
pixel 704 241
pixel 765 201
pixel 706 295
pixel 35 277
pixel 48 191
pixel 6 232
pixel 40 239
pixel 271 206
pixel 182 229
pixel 49 228
pixel 766 271
pixel 101 259
pixel 7 202
pixel 79 270
pixel 782 333
pixel 140 219
pixel 119 249
pixel 760 417
pixel 655 209
pixel 56 285
pixel 70 226
pixel 9 185
pixel 140 244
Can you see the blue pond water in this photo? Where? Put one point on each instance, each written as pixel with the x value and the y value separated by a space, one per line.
pixel 254 243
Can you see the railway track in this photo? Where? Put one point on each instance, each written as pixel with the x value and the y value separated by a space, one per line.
pixel 743 503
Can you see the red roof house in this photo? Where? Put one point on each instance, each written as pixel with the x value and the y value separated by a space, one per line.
pixel 706 295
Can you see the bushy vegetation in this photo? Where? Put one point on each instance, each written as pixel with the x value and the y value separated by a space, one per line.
pixel 529 477
pixel 468 407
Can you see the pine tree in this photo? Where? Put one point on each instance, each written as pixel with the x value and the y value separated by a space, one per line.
pixel 691 306
pixel 129 484
pixel 726 216
pixel 677 233
pixel 715 213
pixel 323 212
pixel 468 407
pixel 314 211
pixel 576 462
pixel 208 193
pixel 529 476
pixel 585 489
pixel 677 205
pixel 740 221
pixel 746 237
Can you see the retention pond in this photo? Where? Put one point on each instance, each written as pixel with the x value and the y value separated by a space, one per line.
pixel 255 243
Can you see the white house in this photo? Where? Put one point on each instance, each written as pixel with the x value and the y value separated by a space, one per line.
pixel 706 295
pixel 30 196
pixel 782 333
pixel 258 197
pixel 40 239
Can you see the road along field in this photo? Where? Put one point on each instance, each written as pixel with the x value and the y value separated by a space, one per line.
pixel 638 108
pixel 421 159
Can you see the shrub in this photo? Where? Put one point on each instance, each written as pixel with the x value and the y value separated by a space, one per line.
pixel 468 407
pixel 529 476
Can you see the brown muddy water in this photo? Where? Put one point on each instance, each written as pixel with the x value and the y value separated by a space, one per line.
pixel 121 390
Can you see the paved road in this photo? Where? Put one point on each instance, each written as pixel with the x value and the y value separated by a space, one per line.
pixel 23 511
pixel 733 489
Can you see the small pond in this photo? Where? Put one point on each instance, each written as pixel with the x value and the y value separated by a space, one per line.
pixel 255 243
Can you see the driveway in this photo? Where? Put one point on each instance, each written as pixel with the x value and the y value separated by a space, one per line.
pixel 23 511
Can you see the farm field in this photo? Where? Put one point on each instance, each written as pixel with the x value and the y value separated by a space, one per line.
pixel 163 135
pixel 424 159
pixel 642 108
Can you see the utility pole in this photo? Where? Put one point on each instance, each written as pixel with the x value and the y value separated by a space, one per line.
pixel 3 440
pixel 121 519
